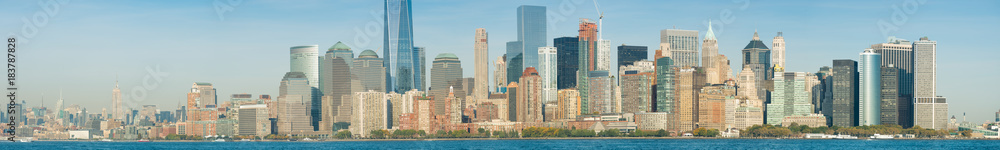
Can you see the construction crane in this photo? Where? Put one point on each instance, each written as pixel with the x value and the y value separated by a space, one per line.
pixel 600 21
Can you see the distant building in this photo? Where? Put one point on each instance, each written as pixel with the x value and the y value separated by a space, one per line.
pixel 690 80
pixel 398 52
pixel 931 110
pixel 203 95
pixel 254 120
pixel 683 46
pixel 790 97
pixel 747 116
pixel 568 104
pixel 757 57
pixel 890 107
pixel 447 72
pixel 869 88
pixel 627 54
pixel 778 57
pixel 899 53
pixel 651 121
pixel 294 103
pixel 547 70
pixel 637 82
pixel 529 104
pixel 370 70
pixel 811 120
pixel 712 105
pixel 665 98
pixel 587 38
pixel 600 93
pixel 500 75
pixel 482 68
pixel 371 113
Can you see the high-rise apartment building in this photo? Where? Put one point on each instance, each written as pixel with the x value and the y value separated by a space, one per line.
pixel 587 43
pixel 529 104
pixel 371 112
pixel 870 88
pixel 568 104
pixel 637 82
pixel 600 99
pixel 482 75
pixel 547 61
pixel 201 96
pixel 602 54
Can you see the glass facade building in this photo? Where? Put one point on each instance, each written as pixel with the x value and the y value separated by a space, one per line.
pixel 870 93
pixel 398 46
pixel 531 30
pixel 845 93
pixel 569 62
pixel 627 55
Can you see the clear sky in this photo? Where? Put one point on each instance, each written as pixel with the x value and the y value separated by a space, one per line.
pixel 80 46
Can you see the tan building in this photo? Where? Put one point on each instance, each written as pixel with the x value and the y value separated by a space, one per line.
pixel 568 105
pixel 747 116
pixel 636 88
pixel 254 120
pixel 529 94
pixel 712 105
pixel 422 117
pixel 689 83
pixel 500 100
pixel 652 121
pixel 370 113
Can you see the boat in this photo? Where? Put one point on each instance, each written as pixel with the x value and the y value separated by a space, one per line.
pixel 245 140
pixel 881 137
pixel 841 136
pixel 25 139
pixel 219 140
pixel 107 140
pixel 142 140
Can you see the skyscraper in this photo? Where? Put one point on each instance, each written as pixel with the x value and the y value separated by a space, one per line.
pixel 758 58
pixel 870 88
pixel 688 83
pixel 899 53
pixel 637 82
pixel 482 65
pixel 203 95
pixel 371 112
pixel 569 61
pixel 335 82
pixel 398 46
pixel 890 98
pixel 845 89
pixel 447 72
pixel 500 74
pixel 368 68
pixel 712 105
pixel 602 55
pixel 515 60
pixel 665 86
pixel 710 57
pixel 683 46
pixel 547 70
pixel 116 103
pixel 628 54
pixel 305 59
pixel 778 57
pixel 419 68
pixel 930 110
pixel 587 38
pixel 600 93
pixel 531 30
pixel 790 97
pixel 294 103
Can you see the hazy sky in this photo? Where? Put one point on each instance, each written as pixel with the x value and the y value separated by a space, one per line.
pixel 80 46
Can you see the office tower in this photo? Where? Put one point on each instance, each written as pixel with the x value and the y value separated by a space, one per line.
pixel 515 60
pixel 419 68
pixel 899 53
pixel 778 57
pixel 712 105
pixel 202 95
pixel 116 103
pixel 529 104
pixel 637 82
pixel 758 58
pixel 305 59
pixel 294 103
pixel 335 70
pixel 482 65
pixel 371 112
pixel 340 50
pixel 547 70
pixel 531 30
pixel 790 97
pixel 845 97
pixel 512 101
pixel 587 38
pixel 568 52
pixel 821 91
pixel 683 46
pixel 890 96
pixel 628 54
pixel 600 99
pixel 930 110
pixel 710 57
pixel 722 69
pixel 568 105
pixel 664 85
pixel 689 81
pixel 747 116
pixel 500 74
pixel 870 88
pixel 748 86
pixel 253 120
pixel 447 72
pixel 398 46
pixel 369 70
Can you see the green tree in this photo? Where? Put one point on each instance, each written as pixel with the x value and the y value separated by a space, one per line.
pixel 610 133
pixel 343 134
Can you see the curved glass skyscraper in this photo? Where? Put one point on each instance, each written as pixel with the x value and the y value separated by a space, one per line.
pixel 305 59
pixel 869 88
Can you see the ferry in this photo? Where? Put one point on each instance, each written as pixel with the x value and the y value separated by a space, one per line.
pixel 219 140
pixel 107 140
pixel 881 137
pixel 245 140
pixel 142 140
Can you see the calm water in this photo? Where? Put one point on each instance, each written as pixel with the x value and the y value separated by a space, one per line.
pixel 530 144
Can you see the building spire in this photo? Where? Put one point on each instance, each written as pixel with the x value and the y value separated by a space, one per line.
pixel 755 37
pixel 709 35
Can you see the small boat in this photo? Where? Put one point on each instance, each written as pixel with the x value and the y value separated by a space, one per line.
pixel 245 140
pixel 219 140
pixel 26 139
pixel 107 140
pixel 881 137
pixel 839 136
pixel 142 140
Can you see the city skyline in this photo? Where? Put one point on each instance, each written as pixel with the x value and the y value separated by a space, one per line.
pixel 233 72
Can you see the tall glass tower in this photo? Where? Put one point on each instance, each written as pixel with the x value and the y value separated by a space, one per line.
pixel 531 32
pixel 398 46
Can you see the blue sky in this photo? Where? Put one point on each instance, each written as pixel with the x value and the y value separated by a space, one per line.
pixel 83 45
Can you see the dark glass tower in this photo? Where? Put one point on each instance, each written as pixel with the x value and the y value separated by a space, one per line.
pixel 515 63
pixel 629 54
pixel 845 93
pixel 757 56
pixel 567 49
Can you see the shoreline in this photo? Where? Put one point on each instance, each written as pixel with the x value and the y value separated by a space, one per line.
pixel 540 138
